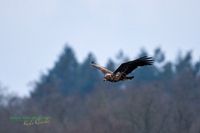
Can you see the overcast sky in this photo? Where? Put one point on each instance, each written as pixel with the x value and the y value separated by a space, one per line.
pixel 34 32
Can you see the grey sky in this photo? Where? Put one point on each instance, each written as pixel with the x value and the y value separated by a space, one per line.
pixel 33 32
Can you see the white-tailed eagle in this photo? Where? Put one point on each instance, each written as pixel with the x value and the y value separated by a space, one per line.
pixel 124 69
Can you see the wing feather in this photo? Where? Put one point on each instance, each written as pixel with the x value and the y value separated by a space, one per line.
pixel 128 67
pixel 102 69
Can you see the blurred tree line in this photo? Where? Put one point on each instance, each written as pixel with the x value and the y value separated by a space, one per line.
pixel 163 98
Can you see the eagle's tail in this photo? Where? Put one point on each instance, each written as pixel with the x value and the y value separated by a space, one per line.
pixel 130 78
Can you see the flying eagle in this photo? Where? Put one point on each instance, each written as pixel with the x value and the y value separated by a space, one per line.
pixel 124 69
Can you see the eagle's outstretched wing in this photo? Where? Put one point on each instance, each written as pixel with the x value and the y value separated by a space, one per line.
pixel 128 67
pixel 102 69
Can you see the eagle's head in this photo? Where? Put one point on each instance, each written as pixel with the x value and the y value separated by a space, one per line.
pixel 108 76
